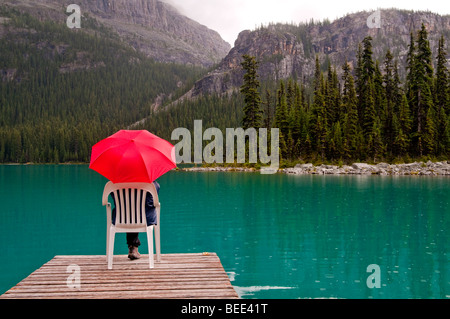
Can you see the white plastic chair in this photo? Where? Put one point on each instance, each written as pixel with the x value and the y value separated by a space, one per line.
pixel 130 216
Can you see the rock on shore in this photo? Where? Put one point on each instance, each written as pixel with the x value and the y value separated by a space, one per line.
pixel 416 168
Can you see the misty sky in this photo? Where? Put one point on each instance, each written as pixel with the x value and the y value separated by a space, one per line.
pixel 229 17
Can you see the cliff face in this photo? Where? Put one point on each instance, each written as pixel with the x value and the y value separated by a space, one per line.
pixel 288 50
pixel 160 31
pixel 151 26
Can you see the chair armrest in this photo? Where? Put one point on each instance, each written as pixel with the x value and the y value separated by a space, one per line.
pixel 108 214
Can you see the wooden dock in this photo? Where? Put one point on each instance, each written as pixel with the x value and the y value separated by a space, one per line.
pixel 181 276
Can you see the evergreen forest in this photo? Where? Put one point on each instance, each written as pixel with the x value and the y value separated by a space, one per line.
pixel 368 114
pixel 63 90
pixel 69 89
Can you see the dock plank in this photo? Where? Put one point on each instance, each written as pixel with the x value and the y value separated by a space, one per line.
pixel 181 276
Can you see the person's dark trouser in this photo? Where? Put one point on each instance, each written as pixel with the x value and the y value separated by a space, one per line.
pixel 133 239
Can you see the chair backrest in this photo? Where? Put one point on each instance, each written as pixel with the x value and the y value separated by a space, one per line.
pixel 130 202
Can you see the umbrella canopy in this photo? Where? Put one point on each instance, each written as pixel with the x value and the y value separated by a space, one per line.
pixel 133 157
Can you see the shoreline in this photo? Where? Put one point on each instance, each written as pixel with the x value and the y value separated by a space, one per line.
pixel 383 169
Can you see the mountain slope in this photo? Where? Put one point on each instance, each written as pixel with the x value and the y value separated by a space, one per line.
pixel 371 115
pixel 289 50
pixel 62 90
pixel 150 26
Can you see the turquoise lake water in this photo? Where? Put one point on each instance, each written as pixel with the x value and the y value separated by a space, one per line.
pixel 277 236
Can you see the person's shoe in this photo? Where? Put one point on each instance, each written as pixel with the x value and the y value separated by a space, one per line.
pixel 133 253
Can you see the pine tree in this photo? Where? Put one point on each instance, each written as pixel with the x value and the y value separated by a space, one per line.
pixel 402 128
pixel 398 90
pixel 388 79
pixel 375 141
pixel 317 74
pixel 321 133
pixel 268 111
pixel 283 146
pixel 422 99
pixel 368 64
pixel 336 141
pixel 307 149
pixel 319 120
pixel 289 146
pixel 350 120
pixel 442 100
pixel 430 132
pixel 365 72
pixel 250 90
pixel 359 76
pixel 281 112
pixel 401 141
pixel 290 96
pixel 296 126
pixel 332 97
pixel 379 92
pixel 329 96
pixel 337 96
pixel 281 119
pixel 391 94
pixel 291 113
pixel 410 84
pixel 370 114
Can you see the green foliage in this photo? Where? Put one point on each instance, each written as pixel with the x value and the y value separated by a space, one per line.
pixel 213 110
pixel 63 90
pixel 71 88
pixel 252 99
pixel 370 119
pixel 442 99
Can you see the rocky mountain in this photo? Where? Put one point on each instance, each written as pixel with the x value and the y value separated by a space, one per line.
pixel 63 90
pixel 290 50
pixel 150 26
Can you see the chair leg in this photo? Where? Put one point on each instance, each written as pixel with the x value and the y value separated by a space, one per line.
pixel 108 234
pixel 150 246
pixel 108 227
pixel 110 255
pixel 158 243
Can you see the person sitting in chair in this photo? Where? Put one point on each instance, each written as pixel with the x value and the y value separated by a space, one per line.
pixel 133 241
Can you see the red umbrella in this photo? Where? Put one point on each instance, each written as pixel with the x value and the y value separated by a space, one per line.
pixel 133 157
